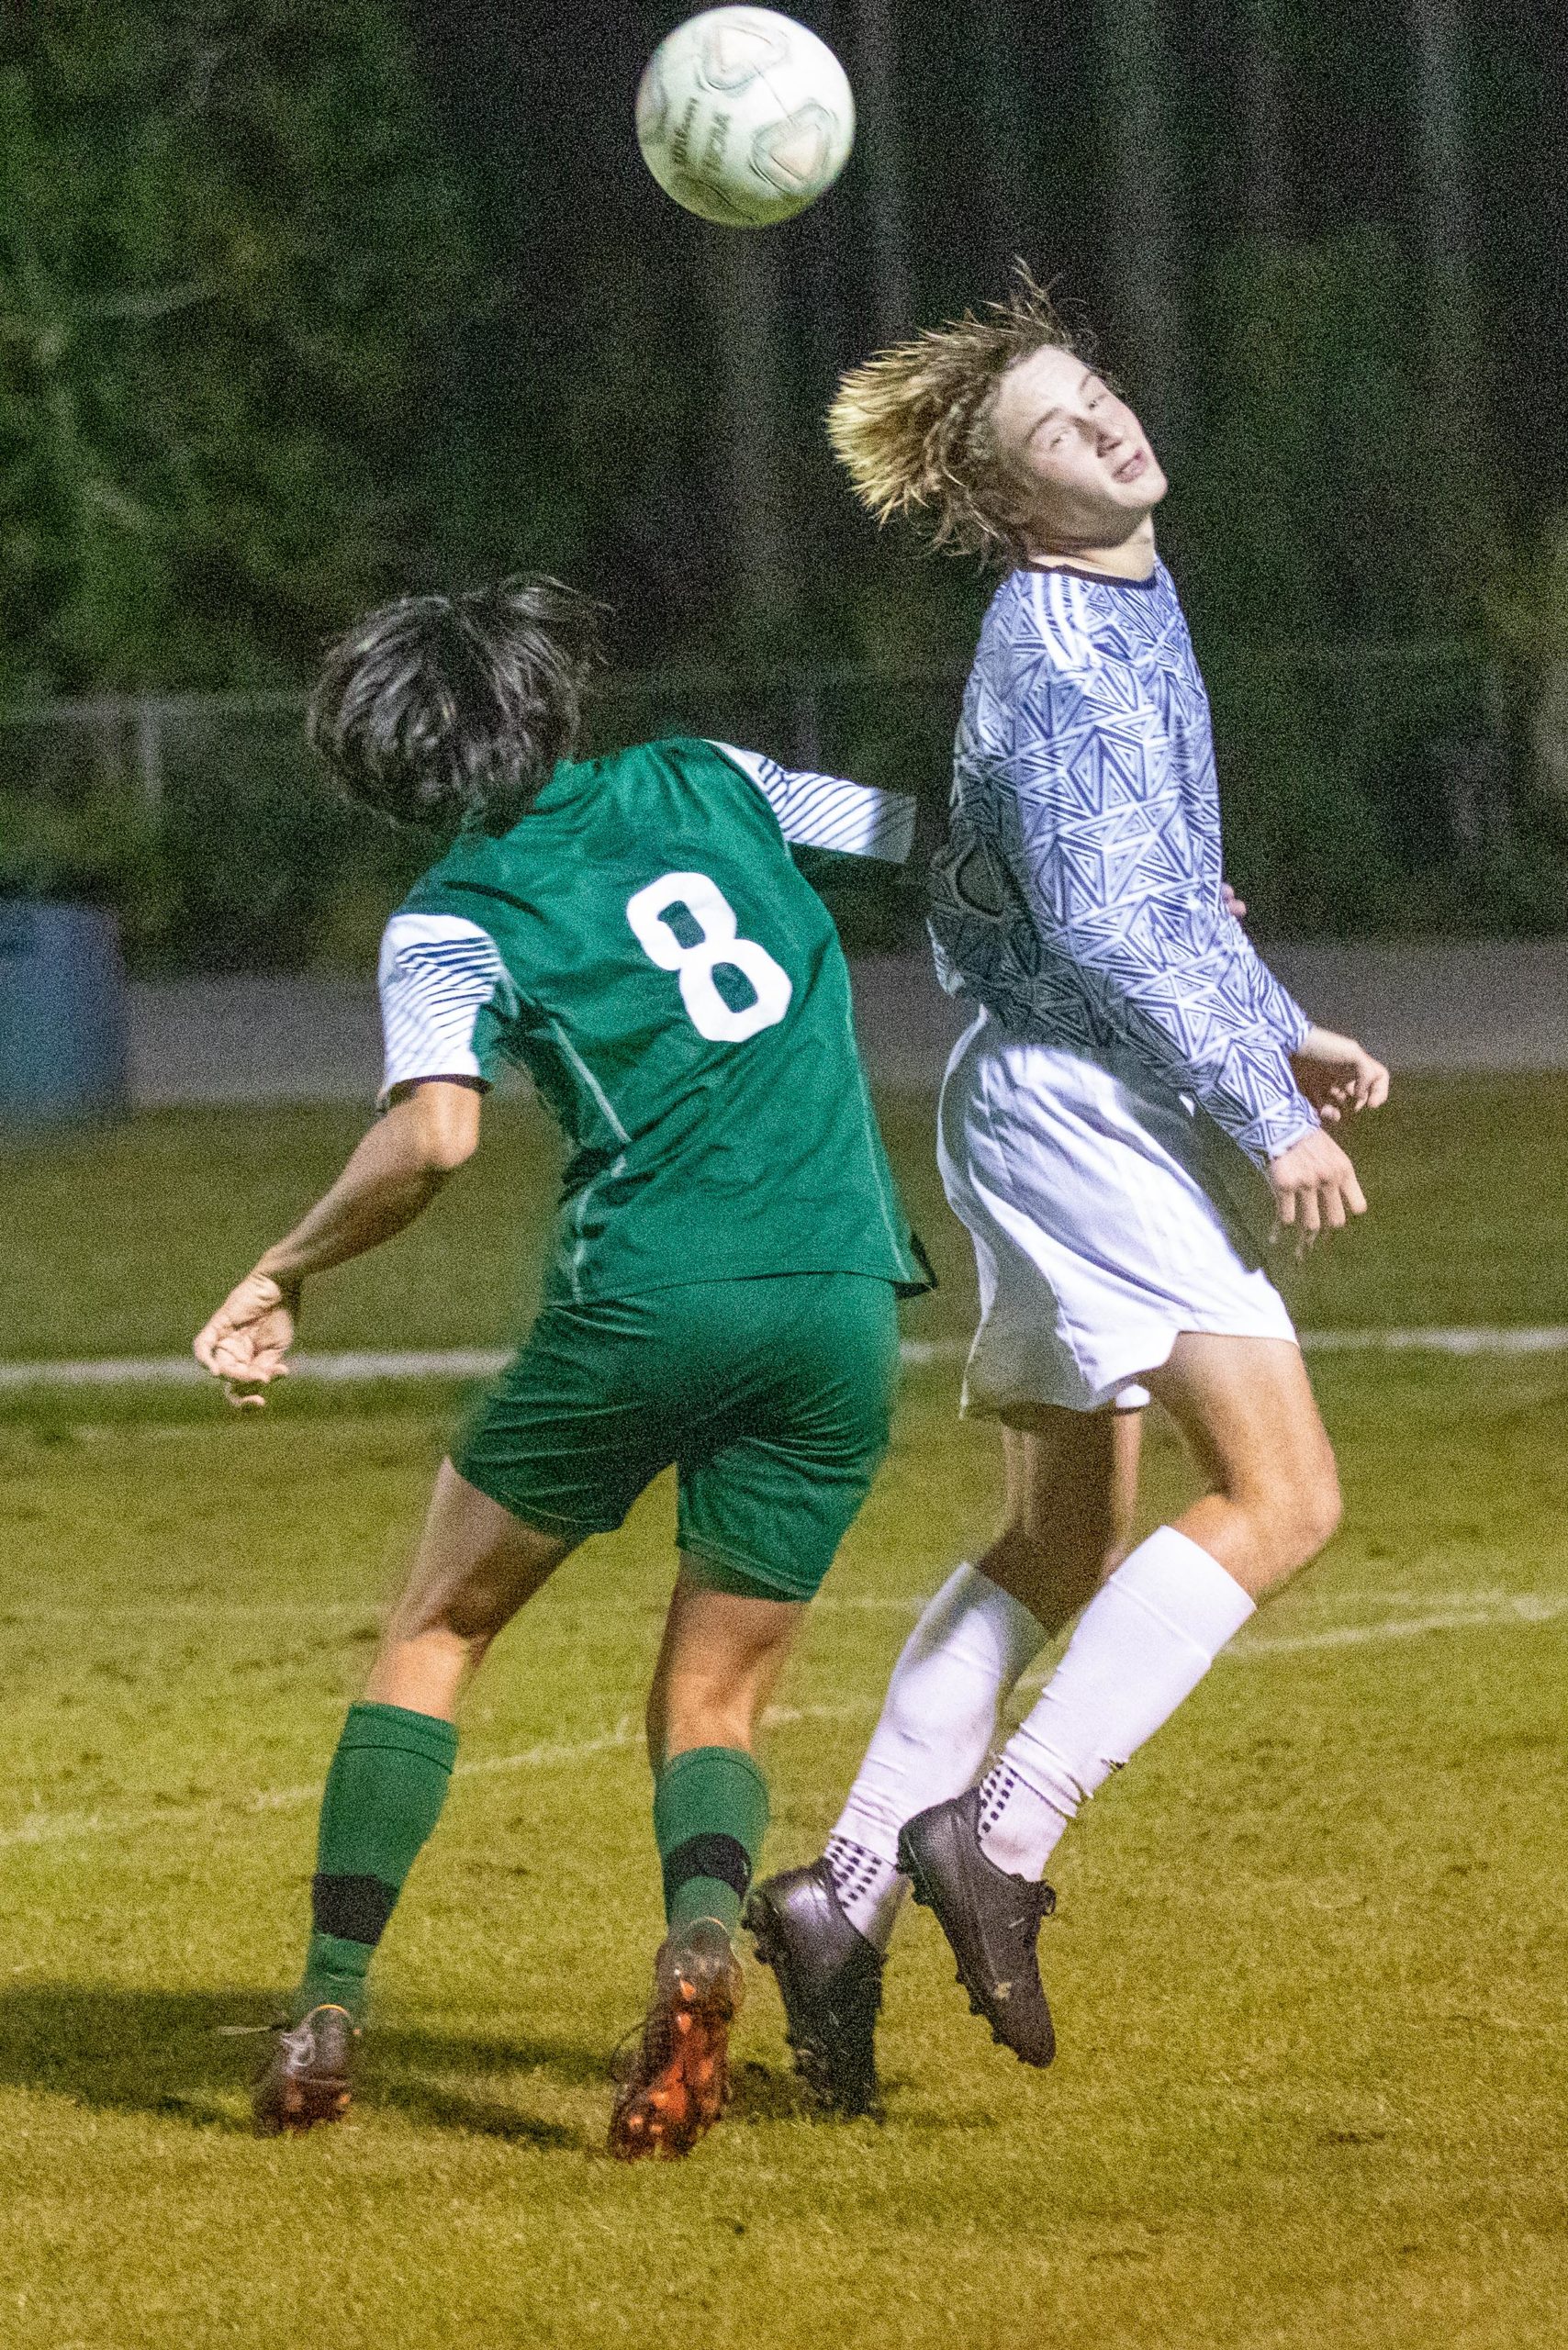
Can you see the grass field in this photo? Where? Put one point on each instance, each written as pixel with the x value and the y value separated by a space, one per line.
pixel 1308 1969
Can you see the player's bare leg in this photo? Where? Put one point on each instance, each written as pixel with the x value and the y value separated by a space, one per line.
pixel 476 1566
pixel 1247 1412
pixel 1071 1489
pixel 722 1654
pixel 1071 1494
pixel 1144 1643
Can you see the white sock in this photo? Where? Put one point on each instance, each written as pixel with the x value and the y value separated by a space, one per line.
pixel 938 1719
pixel 1142 1644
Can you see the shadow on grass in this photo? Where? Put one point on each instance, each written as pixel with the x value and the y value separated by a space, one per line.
pixel 179 2056
pixel 761 2094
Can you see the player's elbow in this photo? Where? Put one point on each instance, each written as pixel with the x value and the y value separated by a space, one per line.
pixel 445 1120
pixel 447 1153
pixel 450 1144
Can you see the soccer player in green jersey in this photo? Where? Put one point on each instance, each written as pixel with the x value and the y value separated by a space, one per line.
pixel 632 932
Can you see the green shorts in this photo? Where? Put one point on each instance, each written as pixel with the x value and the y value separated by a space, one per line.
pixel 771 1396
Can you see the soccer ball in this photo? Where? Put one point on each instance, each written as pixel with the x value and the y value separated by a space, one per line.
pixel 744 117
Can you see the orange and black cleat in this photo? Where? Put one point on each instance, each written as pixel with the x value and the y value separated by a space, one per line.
pixel 308 2076
pixel 676 2081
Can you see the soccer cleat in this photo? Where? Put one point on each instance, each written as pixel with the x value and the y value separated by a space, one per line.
pixel 992 1922
pixel 308 2076
pixel 676 2081
pixel 830 1979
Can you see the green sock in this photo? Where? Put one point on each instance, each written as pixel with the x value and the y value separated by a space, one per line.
pixel 710 1817
pixel 383 1795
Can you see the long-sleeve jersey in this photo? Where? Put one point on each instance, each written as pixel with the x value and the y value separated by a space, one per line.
pixel 1078 896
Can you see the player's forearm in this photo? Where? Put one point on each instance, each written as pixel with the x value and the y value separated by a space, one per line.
pixel 1187 989
pixel 351 1218
pixel 1187 1026
pixel 1274 999
pixel 392 1176
pixel 1243 1082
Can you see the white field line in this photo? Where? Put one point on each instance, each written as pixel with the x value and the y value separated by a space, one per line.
pixel 1489 1612
pixel 1549 1339
pixel 42 1827
pixel 484 1363
pixel 1451 1607
pixel 1519 1610
pixel 17 1618
pixel 1522 1608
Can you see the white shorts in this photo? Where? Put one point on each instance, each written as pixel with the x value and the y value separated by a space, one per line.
pixel 1106 1216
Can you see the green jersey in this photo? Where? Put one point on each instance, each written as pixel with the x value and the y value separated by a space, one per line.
pixel 642 945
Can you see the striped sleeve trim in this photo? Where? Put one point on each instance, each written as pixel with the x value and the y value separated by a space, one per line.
pixel 438 973
pixel 827 811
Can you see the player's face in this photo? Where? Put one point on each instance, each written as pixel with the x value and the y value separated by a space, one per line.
pixel 1088 470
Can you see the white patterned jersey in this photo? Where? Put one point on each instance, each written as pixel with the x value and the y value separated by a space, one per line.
pixel 1078 895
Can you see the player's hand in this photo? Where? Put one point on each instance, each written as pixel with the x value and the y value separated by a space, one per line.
pixel 1234 907
pixel 1338 1075
pixel 246 1340
pixel 1314 1188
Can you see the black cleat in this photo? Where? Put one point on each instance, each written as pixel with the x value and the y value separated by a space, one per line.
pixel 830 1979
pixel 676 2081
pixel 992 1922
pixel 309 2075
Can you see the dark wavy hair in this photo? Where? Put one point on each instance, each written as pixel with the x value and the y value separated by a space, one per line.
pixel 450 711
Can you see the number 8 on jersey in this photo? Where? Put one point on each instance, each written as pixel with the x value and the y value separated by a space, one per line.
pixel 711 912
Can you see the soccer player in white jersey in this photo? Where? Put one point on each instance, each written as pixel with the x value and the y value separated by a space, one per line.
pixel 1134 1086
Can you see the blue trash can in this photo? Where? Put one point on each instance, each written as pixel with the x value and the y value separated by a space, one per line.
pixel 62 1014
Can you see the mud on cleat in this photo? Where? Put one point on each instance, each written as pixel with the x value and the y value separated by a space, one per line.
pixel 676 2080
pixel 830 1979
pixel 992 1922
pixel 308 2078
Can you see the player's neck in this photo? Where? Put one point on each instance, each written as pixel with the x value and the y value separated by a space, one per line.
pixel 1133 559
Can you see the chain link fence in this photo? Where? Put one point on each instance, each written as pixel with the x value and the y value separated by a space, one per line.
pixel 1368 790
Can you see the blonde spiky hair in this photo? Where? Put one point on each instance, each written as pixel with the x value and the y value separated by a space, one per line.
pixel 912 426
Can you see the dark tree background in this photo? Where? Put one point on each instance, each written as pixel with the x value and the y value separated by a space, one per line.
pixel 393 279
pixel 300 304
pixel 603 365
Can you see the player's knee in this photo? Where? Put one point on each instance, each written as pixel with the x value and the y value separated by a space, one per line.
pixel 1322 1507
pixel 475 1619
pixel 472 1614
pixel 690 1717
pixel 1305 1512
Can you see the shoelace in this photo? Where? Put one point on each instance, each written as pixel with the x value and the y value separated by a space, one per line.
pixel 1037 1902
pixel 640 2040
